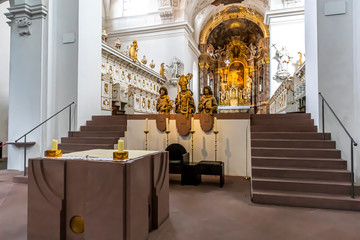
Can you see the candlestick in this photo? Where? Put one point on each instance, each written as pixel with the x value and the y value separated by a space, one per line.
pixel 120 145
pixel 167 137
pixel 192 145
pixel 215 124
pixel 54 145
pixel 216 133
pixel 146 139
pixel 146 124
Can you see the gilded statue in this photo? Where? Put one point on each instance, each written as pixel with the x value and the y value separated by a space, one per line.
pixel 208 103
pixel 163 105
pixel 162 70
pixel 184 102
pixel 133 49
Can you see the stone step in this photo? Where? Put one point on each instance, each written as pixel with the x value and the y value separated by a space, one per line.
pixel 283 128
pixel 289 143
pixel 90 140
pixel 311 200
pixel 280 121
pixel 301 173
pixel 290 135
pixel 103 128
pixel 296 162
pixel 295 152
pixel 282 116
pixel 312 186
pixel 116 134
pixel 71 147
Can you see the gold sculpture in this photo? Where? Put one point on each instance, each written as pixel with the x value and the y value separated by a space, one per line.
pixel 208 103
pixel 163 105
pixel 133 49
pixel 162 70
pixel 184 101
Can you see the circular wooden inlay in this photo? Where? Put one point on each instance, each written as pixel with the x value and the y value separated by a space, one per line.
pixel 77 224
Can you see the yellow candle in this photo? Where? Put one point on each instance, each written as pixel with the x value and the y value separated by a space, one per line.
pixel 167 124
pixel 215 124
pixel 121 145
pixel 146 124
pixel 192 124
pixel 54 145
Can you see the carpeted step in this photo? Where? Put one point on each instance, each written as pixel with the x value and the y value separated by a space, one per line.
pixel 301 173
pixel 295 152
pixel 103 128
pixel 312 200
pixel 97 134
pixel 90 140
pixel 283 128
pixel 290 135
pixel 281 121
pixel 282 116
pixel 71 147
pixel 296 162
pixel 290 143
pixel 304 185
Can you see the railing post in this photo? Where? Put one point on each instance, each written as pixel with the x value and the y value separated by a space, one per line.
pixel 69 118
pixel 25 155
pixel 323 116
pixel 352 169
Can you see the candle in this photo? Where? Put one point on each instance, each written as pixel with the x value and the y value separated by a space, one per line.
pixel 146 124
pixel 121 145
pixel 54 145
pixel 167 124
pixel 215 124
pixel 192 124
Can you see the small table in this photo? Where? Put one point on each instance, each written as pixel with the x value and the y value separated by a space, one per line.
pixel 212 168
pixel 190 174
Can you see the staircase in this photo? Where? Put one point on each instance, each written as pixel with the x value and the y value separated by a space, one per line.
pixel 102 132
pixel 293 166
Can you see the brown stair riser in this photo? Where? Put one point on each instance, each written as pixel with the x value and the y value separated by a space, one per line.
pixel 73 148
pixel 97 134
pixel 283 128
pixel 302 187
pixel 306 153
pixel 89 140
pixel 106 122
pixel 300 174
pixel 301 163
pixel 101 117
pixel 293 144
pixel 282 116
pixel 306 202
pixel 103 128
pixel 290 135
pixel 264 122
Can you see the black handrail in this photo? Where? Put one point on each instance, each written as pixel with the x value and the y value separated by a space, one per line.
pixel 24 136
pixel 353 143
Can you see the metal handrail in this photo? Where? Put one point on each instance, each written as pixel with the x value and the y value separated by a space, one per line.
pixel 353 143
pixel 24 136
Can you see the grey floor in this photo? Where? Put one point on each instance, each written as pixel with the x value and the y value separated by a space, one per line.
pixel 207 212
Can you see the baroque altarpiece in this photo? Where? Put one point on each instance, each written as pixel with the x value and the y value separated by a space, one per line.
pixel 234 60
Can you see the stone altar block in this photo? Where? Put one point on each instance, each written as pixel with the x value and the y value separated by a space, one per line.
pixel 115 200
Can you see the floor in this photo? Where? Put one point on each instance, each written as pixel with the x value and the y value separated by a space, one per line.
pixel 207 212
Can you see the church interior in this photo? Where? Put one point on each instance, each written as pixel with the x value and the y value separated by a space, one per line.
pixel 179 119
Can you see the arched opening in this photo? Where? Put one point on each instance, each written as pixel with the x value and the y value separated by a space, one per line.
pixel 234 47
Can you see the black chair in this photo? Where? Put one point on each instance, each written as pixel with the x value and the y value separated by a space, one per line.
pixel 177 157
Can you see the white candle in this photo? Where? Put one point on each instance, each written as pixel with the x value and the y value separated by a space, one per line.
pixel 215 124
pixel 192 124
pixel 167 124
pixel 54 145
pixel 121 145
pixel 146 124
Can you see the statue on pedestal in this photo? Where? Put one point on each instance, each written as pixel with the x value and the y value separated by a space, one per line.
pixel 133 49
pixel 184 102
pixel 163 105
pixel 208 103
pixel 162 71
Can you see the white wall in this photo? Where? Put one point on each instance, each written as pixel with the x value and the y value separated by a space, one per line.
pixel 336 74
pixel 311 52
pixel 4 74
pixel 233 142
pixel 356 27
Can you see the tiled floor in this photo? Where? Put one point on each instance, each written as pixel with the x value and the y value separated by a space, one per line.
pixel 208 212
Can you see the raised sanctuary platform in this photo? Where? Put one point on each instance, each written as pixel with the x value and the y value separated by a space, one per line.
pixel 86 195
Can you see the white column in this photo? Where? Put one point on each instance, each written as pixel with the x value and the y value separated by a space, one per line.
pixel 311 52
pixel 28 61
